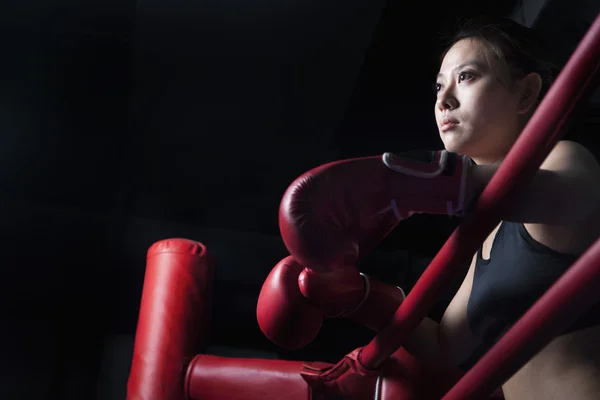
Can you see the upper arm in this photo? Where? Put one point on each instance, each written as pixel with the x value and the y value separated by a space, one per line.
pixel 576 201
pixel 456 339
pixel 573 159
pixel 578 174
pixel 563 191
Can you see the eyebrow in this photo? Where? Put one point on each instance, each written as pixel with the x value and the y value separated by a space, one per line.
pixel 476 63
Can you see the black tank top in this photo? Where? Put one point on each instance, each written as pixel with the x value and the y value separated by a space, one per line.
pixel 518 272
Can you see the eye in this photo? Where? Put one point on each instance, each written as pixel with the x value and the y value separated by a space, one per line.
pixel 466 76
pixel 437 87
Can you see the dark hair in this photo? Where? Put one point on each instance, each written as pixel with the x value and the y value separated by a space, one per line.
pixel 518 46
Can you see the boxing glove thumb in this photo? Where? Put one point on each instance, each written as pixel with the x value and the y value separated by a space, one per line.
pixel 337 293
pixel 284 315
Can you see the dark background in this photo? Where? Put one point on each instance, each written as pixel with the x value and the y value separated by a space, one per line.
pixel 123 123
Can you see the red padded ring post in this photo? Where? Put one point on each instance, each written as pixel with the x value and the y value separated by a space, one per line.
pixel 174 319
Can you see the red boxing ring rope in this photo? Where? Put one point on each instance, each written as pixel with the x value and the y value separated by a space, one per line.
pixel 545 128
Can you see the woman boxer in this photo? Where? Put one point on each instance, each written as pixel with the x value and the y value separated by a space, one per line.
pixel 489 83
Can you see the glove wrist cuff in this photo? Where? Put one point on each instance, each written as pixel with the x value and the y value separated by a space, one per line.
pixel 437 180
pixel 367 282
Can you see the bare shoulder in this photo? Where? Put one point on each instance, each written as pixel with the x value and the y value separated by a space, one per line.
pixel 572 156
pixel 576 163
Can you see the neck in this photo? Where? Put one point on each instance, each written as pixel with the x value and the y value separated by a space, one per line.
pixel 497 153
pixel 484 161
pixel 493 160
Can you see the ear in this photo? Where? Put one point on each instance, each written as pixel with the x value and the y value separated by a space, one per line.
pixel 530 87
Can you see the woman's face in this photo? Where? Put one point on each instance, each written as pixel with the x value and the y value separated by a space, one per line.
pixel 476 111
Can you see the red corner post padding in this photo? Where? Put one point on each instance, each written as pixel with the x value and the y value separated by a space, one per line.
pixel 174 319
pixel 217 378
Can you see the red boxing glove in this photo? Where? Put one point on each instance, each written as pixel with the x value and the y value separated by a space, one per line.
pixel 401 377
pixel 334 214
pixel 348 378
pixel 294 300
pixel 284 315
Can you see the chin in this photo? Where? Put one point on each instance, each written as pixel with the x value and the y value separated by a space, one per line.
pixel 455 146
pixel 462 142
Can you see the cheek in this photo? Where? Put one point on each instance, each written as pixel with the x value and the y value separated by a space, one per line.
pixel 492 106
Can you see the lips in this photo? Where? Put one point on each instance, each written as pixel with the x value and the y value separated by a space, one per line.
pixel 449 120
pixel 448 123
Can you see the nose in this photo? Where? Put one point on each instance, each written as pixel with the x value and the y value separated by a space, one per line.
pixel 446 100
